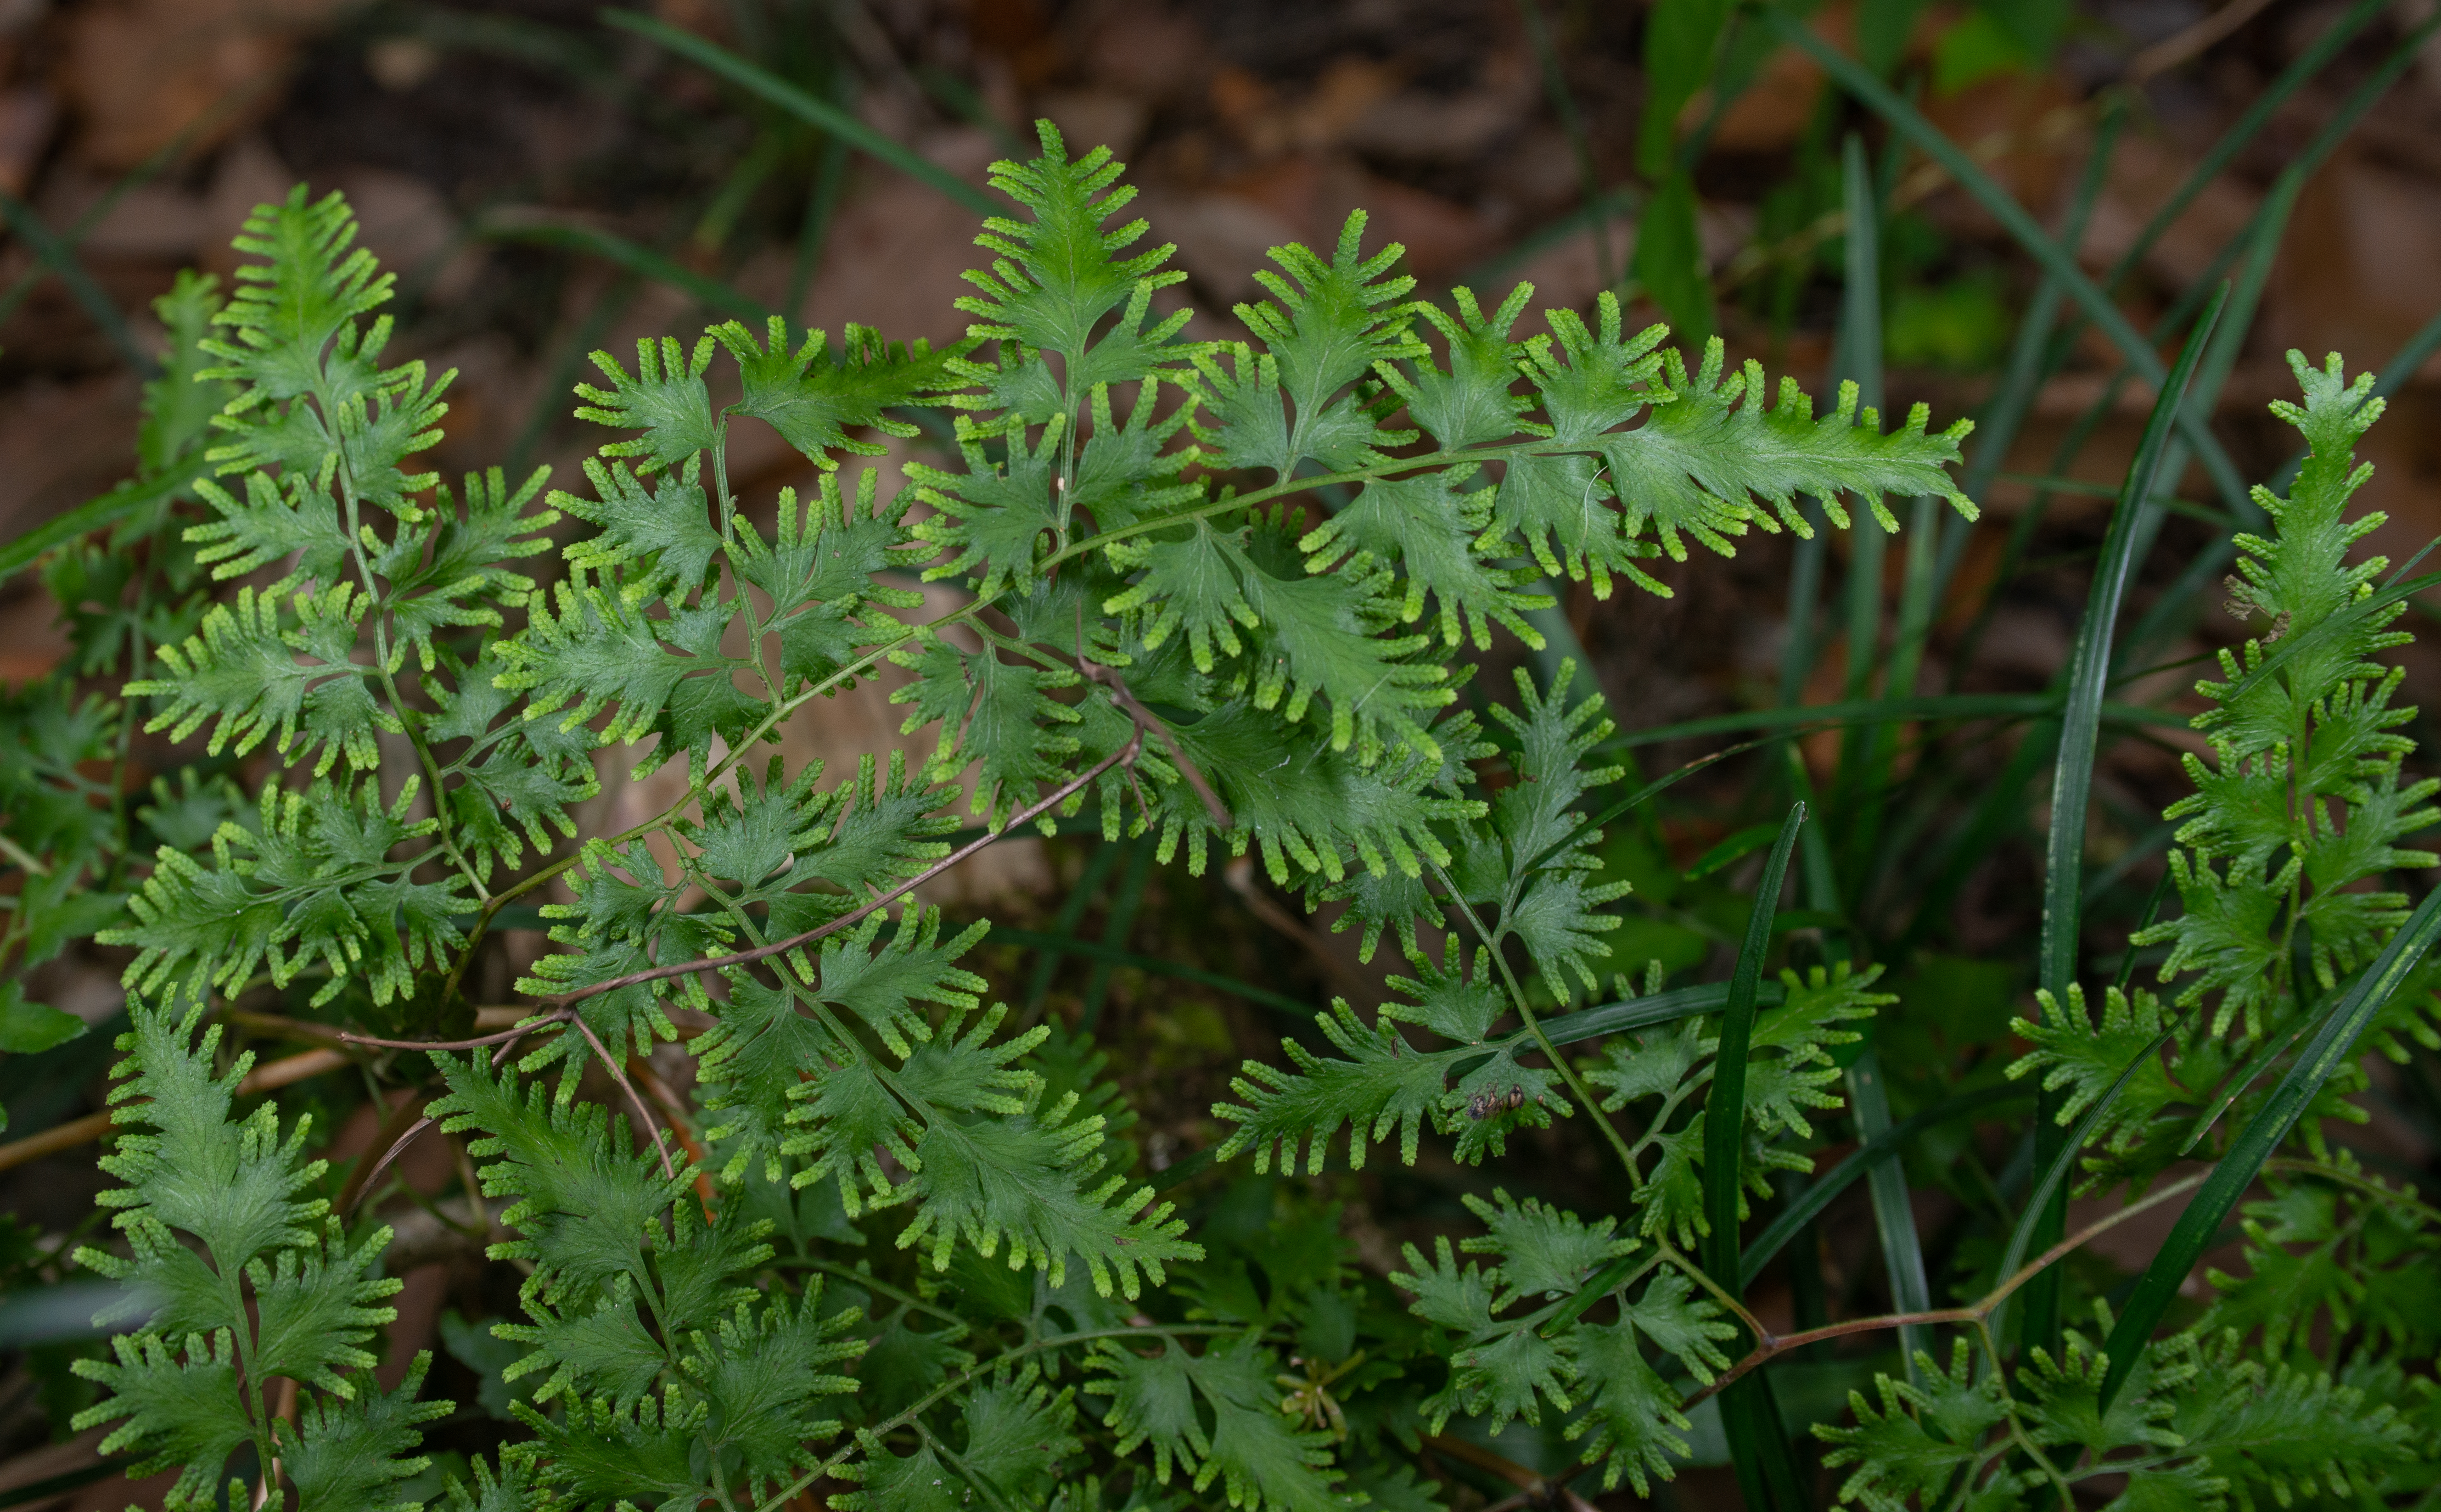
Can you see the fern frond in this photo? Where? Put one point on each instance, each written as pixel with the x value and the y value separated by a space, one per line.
pixel 252 1277
pixel 1252 1448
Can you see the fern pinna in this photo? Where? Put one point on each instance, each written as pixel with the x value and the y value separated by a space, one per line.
pixel 1158 635
pixel 2295 1383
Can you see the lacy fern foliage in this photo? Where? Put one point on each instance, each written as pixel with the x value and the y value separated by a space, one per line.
pixel 1153 621
pixel 2295 1385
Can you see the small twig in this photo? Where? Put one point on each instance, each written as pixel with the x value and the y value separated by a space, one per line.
pixel 674 1113
pixel 349 1199
pixel 281 1026
pixel 1721 1294
pixel 619 1074
pixel 77 1131
pixel 505 1036
pixel 1538 1489
pixel 283 1409
pixel 1144 718
pixel 1769 1344
pixel 354 1190
pixel 2178 48
pixel 1240 876
pixel 1125 753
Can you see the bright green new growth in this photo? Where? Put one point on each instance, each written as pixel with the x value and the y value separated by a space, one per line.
pixel 2302 804
pixel 1122 507
pixel 2293 1385
pixel 271 1286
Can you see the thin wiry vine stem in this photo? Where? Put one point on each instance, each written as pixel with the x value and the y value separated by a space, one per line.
pixel 1769 1345
pixel 619 1074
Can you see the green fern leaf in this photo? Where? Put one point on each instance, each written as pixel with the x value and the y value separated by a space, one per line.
pixel 2072 1051
pixel 666 531
pixel 1923 1438
pixel 815 395
pixel 2288 1433
pixel 1332 322
pixel 1545 1252
pixel 1639 1433
pixel 1055 276
pixel 1429 531
pixel 182 1413
pixel 286 311
pixel 1682 1324
pixel 1021 1182
pixel 764 1376
pixel 994 514
pixel 1700 464
pixel 350 1456
pixel 1470 403
pixel 666 400
pixel 269 524
pixel 1253 1450
pixel 1382 1084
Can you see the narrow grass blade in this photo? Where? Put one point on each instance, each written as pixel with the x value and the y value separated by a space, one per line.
pixel 2178 605
pixel 2146 848
pixel 1095 950
pixel 2399 369
pixel 1804 600
pixel 567 358
pixel 2143 921
pixel 1124 904
pixel 1759 1452
pixel 1892 710
pixel 1639 1013
pixel 1790 722
pixel 61 259
pixel 830 186
pixel 94 514
pixel 1725 1106
pixel 1572 122
pixel 972 108
pixel 2031 350
pixel 2333 1043
pixel 1749 1415
pixel 1875 1152
pixel 1180 1169
pixel 1072 913
pixel 2258 115
pixel 2211 563
pixel 2021 226
pixel 2035 355
pixel 2072 776
pixel 1643 1013
pixel 1893 1214
pixel 806 107
pixel 1561 647
pixel 1623 201
pixel 1998 814
pixel 1859 361
pixel 2265 1058
pixel 620 252
pixel 163 157
pixel 2088 675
